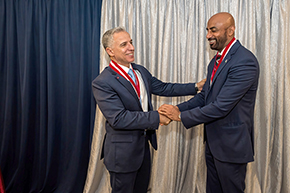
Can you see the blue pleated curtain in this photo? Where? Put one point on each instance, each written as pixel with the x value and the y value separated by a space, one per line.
pixel 49 54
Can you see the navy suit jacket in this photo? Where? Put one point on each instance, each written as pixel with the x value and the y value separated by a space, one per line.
pixel 227 106
pixel 123 146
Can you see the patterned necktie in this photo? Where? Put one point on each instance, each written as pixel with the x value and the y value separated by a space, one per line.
pixel 131 74
pixel 218 59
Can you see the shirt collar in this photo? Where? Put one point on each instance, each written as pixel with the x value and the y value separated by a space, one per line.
pixel 126 69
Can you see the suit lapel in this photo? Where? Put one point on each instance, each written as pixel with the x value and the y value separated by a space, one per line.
pixel 146 83
pixel 135 67
pixel 222 65
pixel 226 60
pixel 126 84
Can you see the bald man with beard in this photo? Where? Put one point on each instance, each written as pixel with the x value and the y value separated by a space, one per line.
pixel 225 106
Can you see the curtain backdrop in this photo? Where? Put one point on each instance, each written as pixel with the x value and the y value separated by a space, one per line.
pixel 169 40
pixel 49 54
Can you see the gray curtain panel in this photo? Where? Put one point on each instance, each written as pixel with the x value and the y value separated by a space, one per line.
pixel 170 41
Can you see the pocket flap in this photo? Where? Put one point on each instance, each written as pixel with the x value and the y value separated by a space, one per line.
pixel 122 138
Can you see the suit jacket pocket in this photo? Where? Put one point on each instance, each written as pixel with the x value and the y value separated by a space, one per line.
pixel 231 143
pixel 127 152
pixel 122 139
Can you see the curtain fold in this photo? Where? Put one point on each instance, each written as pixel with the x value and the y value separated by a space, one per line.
pixel 169 39
pixel 49 56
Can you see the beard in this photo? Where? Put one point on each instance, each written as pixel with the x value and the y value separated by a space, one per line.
pixel 220 42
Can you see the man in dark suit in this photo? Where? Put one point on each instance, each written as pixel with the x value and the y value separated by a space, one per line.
pixel 123 93
pixel 225 106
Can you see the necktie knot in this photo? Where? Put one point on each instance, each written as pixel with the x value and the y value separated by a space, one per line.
pixel 131 74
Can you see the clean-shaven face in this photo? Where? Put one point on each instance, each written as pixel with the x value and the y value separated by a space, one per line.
pixel 122 49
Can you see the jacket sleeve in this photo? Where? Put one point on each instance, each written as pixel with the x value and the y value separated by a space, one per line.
pixel 239 81
pixel 172 89
pixel 122 113
pixel 160 88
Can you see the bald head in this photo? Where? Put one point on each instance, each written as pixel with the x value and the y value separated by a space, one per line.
pixel 221 30
pixel 225 19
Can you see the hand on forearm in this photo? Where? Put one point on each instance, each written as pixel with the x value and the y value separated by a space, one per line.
pixel 170 111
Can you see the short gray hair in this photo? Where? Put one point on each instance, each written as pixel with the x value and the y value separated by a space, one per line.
pixel 107 39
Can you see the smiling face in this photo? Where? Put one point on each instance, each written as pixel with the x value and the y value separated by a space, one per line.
pixel 220 31
pixel 122 49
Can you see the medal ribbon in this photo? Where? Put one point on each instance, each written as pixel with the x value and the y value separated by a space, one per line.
pixel 221 59
pixel 118 69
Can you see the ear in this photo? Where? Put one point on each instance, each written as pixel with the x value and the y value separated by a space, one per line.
pixel 110 51
pixel 231 31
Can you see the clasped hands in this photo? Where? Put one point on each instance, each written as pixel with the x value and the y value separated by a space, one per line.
pixel 168 113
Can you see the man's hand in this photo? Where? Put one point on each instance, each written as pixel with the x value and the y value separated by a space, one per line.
pixel 164 120
pixel 200 84
pixel 170 111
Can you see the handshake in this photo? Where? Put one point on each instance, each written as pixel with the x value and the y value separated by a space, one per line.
pixel 168 113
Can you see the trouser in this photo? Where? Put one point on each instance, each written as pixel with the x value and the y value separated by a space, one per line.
pixel 133 182
pixel 224 177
